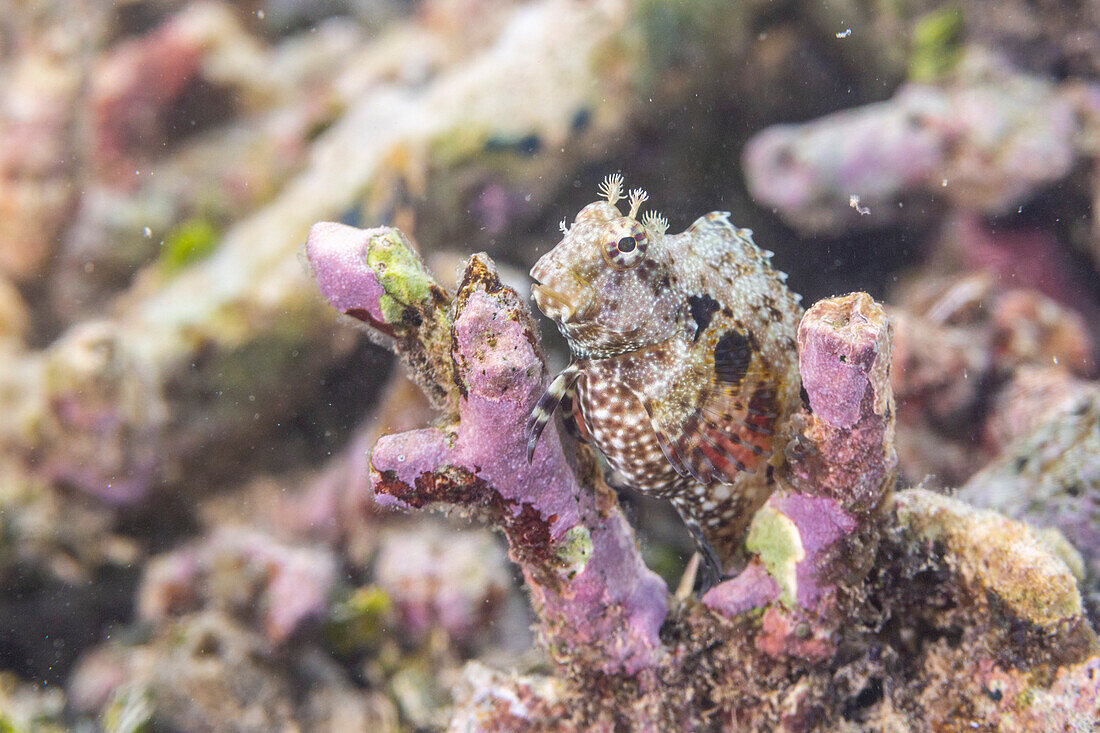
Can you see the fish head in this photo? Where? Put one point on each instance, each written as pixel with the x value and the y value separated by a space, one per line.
pixel 608 283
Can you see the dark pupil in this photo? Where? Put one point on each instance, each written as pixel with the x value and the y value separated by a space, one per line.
pixel 626 244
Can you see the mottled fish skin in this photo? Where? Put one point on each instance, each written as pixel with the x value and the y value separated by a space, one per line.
pixel 684 368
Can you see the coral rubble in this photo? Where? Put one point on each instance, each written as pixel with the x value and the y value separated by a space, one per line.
pixel 986 140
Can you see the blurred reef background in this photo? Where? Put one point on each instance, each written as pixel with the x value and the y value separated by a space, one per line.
pixel 193 535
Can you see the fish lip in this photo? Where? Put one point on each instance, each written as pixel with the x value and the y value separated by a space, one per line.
pixel 570 312
pixel 544 296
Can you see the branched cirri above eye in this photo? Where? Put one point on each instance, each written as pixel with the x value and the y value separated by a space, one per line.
pixel 624 244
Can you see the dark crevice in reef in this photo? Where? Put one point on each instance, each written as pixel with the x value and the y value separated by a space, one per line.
pixel 45 624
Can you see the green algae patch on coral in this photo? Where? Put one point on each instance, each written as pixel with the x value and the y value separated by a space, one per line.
pixel 400 272
pixel 1002 556
pixel 1054 542
pixel 664 560
pixel 775 539
pixel 1025 699
pixel 936 45
pixel 189 242
pixel 130 710
pixel 666 32
pixel 574 550
pixel 453 146
pixel 359 620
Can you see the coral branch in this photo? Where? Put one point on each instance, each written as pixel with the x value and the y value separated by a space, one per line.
pixel 600 607
pixel 844 359
pixel 842 463
pixel 375 276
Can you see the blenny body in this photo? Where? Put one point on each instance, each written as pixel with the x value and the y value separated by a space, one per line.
pixel 684 367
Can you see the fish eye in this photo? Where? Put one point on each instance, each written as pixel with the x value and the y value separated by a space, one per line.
pixel 624 244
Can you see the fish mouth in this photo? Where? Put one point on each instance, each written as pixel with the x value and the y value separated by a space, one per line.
pixel 571 300
pixel 554 304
